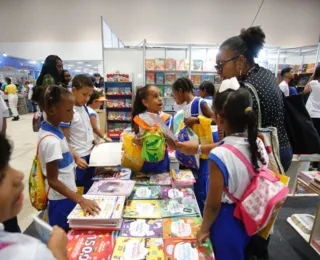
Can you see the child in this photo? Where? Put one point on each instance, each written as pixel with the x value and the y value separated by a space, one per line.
pixel 16 245
pixel 96 101
pixel 56 159
pixel 207 91
pixel 233 113
pixel 182 92
pixel 79 132
pixel 11 90
pixel 149 100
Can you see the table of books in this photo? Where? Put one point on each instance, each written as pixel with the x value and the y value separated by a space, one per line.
pixel 143 216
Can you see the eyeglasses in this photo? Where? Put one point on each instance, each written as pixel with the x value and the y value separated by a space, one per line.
pixel 221 63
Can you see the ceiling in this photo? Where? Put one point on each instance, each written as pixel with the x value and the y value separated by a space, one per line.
pixel 285 22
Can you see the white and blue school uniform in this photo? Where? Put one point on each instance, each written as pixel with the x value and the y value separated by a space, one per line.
pixel 209 100
pixel 55 148
pixel 94 113
pixel 227 234
pixel 164 165
pixel 214 128
pixel 81 141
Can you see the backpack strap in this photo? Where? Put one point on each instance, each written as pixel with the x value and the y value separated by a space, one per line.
pixel 164 117
pixel 37 154
pixel 140 122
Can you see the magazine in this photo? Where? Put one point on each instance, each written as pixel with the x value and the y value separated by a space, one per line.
pixel 160 179
pixel 146 193
pixel 173 193
pixel 182 228
pixel 147 228
pixel 184 207
pixel 142 209
pixel 112 188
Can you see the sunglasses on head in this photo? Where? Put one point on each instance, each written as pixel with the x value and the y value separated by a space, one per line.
pixel 220 64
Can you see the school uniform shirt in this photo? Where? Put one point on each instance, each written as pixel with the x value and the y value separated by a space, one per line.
pixel 187 108
pixel 146 118
pixel 11 89
pixel 55 148
pixel 80 132
pixel 30 86
pixel 284 87
pixel 4 111
pixel 94 113
pixel 208 100
pixel 16 246
pixel 235 173
pixel 313 103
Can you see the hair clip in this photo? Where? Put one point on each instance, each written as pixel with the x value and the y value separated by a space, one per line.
pixel 247 110
pixel 227 84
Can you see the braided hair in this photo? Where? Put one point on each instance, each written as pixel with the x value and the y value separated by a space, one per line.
pixel 184 83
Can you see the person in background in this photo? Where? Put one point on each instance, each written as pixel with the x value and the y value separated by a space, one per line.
pixel 32 105
pixel 95 102
pixel 207 91
pixel 98 83
pixel 11 90
pixel 287 75
pixel 14 245
pixel 51 72
pixel 4 114
pixel 4 84
pixel 293 84
pixel 66 79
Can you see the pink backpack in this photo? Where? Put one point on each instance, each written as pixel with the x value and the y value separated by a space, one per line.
pixel 261 200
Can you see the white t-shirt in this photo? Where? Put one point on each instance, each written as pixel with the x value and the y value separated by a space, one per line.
pixel 187 108
pixel 209 101
pixel 54 148
pixel 80 132
pixel 94 113
pixel 30 86
pixel 16 246
pixel 284 87
pixel 236 175
pixel 4 111
pixel 313 103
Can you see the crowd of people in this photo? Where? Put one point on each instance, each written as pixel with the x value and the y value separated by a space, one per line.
pixel 70 130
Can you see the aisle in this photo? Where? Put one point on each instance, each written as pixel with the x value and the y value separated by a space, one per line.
pixel 24 147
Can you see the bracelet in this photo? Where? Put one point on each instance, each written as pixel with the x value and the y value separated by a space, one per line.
pixel 199 150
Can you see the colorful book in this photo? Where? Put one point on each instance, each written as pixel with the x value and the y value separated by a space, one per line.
pixel 138 248
pixel 159 78
pixel 184 207
pixel 169 78
pixel 150 78
pixel 182 176
pixel 112 174
pixel 180 65
pixel 197 64
pixel 187 250
pixel 142 209
pixel 182 228
pixel 146 193
pixel 150 64
pixel 172 193
pixel 97 245
pixel 209 77
pixel 112 188
pixel 160 179
pixel 159 64
pixel 181 75
pixel 196 79
pixel 146 228
pixel 170 64
pixel 141 178
pixel 167 91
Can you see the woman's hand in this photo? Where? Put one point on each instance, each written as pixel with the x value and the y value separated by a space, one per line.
pixel 81 163
pixel 89 207
pixel 137 140
pixel 191 121
pixel 58 242
pixel 202 235
pixel 188 147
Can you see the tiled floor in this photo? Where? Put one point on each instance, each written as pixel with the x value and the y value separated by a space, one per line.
pixel 24 148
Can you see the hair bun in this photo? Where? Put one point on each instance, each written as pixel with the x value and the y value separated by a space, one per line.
pixel 254 37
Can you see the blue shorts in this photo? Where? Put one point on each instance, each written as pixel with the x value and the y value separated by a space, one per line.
pixel 58 211
pixel 157 167
pixel 84 176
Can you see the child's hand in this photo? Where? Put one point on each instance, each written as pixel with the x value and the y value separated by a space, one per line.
pixel 107 139
pixel 95 142
pixel 188 147
pixel 81 163
pixel 172 144
pixel 191 121
pixel 201 236
pixel 137 140
pixel 58 242
pixel 89 207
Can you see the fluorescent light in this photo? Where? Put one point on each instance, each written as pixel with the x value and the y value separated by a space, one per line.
pixel 89 65
pixel 70 65
pixel 42 62
pixel 79 62
pixel 4 54
pixel 77 70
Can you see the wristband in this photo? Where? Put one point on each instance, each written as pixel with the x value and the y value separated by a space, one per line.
pixel 199 150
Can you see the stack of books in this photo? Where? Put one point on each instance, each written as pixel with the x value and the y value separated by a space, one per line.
pixel 109 217
pixel 182 178
pixel 161 179
pixel 112 188
pixel 112 173
pixel 308 176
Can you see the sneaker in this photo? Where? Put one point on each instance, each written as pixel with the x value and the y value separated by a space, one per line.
pixel 15 118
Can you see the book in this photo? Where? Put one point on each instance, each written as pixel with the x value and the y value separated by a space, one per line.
pixel 146 192
pixel 106 154
pixel 141 178
pixel 181 75
pixel 96 245
pixel 142 209
pixel 196 79
pixel 128 248
pixel 308 176
pixel 43 229
pixel 160 179
pixel 187 250
pixel 182 228
pixel 173 193
pixel 150 78
pixel 128 103
pixel 180 65
pixel 170 64
pixel 182 176
pixel 316 243
pixel 169 78
pixel 184 207
pixel 112 174
pixel 209 77
pixel 304 222
pixel 150 64
pixel 197 64
pixel 159 78
pixel 147 228
pixel 112 188
pixel 159 64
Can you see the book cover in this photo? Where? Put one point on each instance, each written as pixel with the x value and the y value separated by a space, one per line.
pixel 172 193
pixel 180 65
pixel 121 103
pixel 146 228
pixel 170 64
pixel 138 248
pixel 128 103
pixel 181 75
pixel 167 91
pixel 159 64
pixel 142 209
pixel 310 68
pixel 112 188
pixel 209 77
pixel 217 79
pixel 141 178
pixel 197 64
pixel 109 103
pixel 169 78
pixel 112 173
pixel 196 79
pixel 160 179
pixel 184 207
pixel 146 193
pixel 150 64
pixel 186 249
pixel 182 228
pixel 150 78
pixel 159 78
pixel 182 176
pixel 96 245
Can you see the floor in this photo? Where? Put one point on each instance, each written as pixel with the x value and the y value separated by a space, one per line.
pixel 24 142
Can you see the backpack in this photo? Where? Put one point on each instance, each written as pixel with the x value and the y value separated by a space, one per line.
pixel 37 189
pixel 262 199
pixel 36 121
pixel 153 144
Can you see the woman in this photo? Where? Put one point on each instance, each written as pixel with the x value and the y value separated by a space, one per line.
pixel 66 78
pixel 313 103
pixel 11 90
pixel 51 72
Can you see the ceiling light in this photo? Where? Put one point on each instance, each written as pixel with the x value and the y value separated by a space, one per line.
pixel 79 62
pixel 89 65
pixel 42 62
pixel 70 65
pixel 77 70
pixel 4 54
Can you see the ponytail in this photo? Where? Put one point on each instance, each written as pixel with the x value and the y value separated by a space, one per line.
pixel 138 106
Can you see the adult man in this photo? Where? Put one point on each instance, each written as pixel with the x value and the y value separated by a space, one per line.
pixel 287 75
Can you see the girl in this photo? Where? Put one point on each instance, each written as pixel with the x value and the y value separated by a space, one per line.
pixel 56 159
pixel 16 245
pixel 66 79
pixel 79 132
pixel 207 91
pixel 234 114
pixel 95 102
pixel 182 92
pixel 149 100
pixel 11 91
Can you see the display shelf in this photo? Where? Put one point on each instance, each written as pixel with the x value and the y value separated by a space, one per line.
pixel 118 121
pixel 119 108
pixel 305 236
pixel 168 71
pixel 120 95
pixel 315 234
pixel 203 71
pixel 307 187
